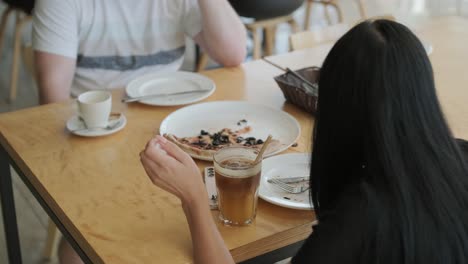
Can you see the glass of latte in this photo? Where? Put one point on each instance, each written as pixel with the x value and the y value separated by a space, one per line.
pixel 237 179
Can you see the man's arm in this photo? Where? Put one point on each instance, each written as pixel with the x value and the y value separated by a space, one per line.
pixel 55 41
pixel 54 74
pixel 223 35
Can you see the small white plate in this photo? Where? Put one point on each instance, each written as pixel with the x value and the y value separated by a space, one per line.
pixel 77 127
pixel 170 82
pixel 214 116
pixel 285 166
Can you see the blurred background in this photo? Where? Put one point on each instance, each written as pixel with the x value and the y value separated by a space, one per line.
pixel 16 71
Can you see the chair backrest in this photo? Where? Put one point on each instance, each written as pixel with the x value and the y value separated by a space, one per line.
pixel 309 39
pixel 28 58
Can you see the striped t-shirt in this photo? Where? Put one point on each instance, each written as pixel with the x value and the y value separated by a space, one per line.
pixel 114 41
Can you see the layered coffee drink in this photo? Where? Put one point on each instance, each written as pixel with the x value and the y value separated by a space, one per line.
pixel 237 180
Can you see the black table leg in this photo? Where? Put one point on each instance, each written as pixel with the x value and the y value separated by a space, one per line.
pixel 4 158
pixel 8 209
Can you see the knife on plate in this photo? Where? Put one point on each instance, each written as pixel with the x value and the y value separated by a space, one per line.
pixel 290 180
pixel 138 98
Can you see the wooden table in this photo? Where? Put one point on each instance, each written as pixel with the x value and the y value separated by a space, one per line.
pixel 96 190
pixel 97 193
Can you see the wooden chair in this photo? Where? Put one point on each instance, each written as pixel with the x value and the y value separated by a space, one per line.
pixel 309 39
pixel 330 3
pixel 362 9
pixel 268 26
pixel 28 58
pixel 21 20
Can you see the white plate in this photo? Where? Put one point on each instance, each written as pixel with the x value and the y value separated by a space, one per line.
pixel 285 166
pixel 214 116
pixel 77 127
pixel 170 82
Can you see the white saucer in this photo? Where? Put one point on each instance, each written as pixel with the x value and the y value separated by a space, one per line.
pixel 77 127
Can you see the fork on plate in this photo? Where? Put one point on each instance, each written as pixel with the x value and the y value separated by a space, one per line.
pixel 289 188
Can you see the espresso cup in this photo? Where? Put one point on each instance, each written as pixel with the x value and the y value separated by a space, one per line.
pixel 237 178
pixel 94 107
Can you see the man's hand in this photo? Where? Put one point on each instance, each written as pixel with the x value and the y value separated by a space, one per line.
pixel 223 35
pixel 54 75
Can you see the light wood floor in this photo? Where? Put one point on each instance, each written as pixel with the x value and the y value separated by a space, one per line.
pixel 32 219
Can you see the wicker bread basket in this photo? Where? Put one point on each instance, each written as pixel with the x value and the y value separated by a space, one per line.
pixel 294 90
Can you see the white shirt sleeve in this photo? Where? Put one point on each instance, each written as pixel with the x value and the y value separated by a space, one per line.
pixel 192 18
pixel 55 27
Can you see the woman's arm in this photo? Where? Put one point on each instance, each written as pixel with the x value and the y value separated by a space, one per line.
pixel 175 171
pixel 208 245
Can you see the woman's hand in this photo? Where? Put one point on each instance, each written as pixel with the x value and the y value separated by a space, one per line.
pixel 173 170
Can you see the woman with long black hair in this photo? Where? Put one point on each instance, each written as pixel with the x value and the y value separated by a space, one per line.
pixel 386 170
pixel 389 183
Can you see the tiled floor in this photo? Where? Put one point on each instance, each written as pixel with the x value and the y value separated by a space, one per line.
pixel 33 220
